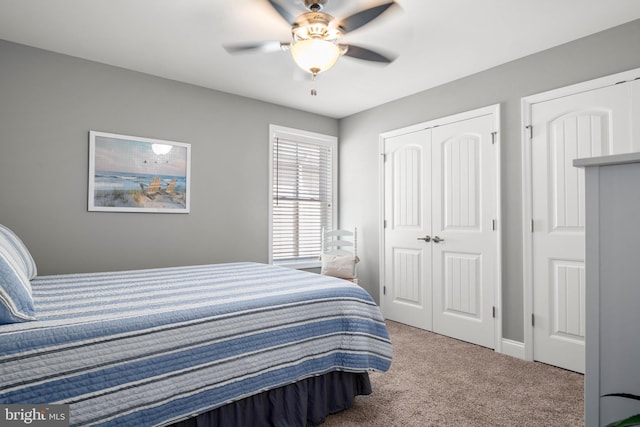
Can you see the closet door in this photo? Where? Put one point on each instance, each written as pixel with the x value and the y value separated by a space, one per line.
pixel 464 213
pixel 593 123
pixel 406 293
pixel 441 245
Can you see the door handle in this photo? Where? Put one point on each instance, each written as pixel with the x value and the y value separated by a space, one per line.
pixel 437 239
pixel 426 238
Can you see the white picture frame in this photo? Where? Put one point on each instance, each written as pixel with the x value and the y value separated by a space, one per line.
pixel 136 174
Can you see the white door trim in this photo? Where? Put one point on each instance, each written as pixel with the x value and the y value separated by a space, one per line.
pixel 527 189
pixel 492 109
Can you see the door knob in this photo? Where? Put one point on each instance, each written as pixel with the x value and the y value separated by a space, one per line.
pixel 437 239
pixel 426 238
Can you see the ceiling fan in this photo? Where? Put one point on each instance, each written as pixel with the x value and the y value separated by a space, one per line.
pixel 315 45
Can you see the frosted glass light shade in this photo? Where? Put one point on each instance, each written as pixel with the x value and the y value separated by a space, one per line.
pixel 315 55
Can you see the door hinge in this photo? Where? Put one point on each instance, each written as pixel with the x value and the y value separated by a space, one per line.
pixel 493 137
pixel 532 225
pixel 533 319
pixel 530 129
pixel 384 156
pixel 493 312
pixel 384 223
pixel 384 290
pixel 493 224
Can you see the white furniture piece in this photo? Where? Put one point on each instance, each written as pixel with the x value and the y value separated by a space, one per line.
pixel 612 269
pixel 340 254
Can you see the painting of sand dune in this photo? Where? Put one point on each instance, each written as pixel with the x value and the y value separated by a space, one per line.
pixel 133 174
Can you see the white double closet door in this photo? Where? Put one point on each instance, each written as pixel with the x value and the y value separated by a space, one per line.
pixel 594 122
pixel 440 235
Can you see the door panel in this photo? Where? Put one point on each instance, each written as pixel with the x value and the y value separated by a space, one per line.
pixel 408 277
pixel 464 206
pixel 462 290
pixel 407 170
pixel 567 299
pixel 593 123
pixel 407 291
pixel 572 136
pixel 460 178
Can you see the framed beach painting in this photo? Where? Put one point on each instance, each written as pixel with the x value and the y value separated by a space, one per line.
pixel 133 174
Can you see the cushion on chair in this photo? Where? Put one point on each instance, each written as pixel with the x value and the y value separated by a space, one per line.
pixel 342 266
pixel 18 251
pixel 16 302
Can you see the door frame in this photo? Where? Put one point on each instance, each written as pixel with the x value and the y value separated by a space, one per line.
pixel 527 185
pixel 491 109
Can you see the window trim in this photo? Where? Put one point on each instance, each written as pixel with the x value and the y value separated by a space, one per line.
pixel 276 131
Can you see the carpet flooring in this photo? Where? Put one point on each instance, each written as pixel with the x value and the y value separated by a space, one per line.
pixel 439 381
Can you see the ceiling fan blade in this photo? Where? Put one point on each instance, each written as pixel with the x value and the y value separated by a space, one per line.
pixel 268 46
pixel 363 17
pixel 291 19
pixel 367 54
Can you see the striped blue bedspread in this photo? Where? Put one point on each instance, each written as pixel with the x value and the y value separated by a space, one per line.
pixel 151 347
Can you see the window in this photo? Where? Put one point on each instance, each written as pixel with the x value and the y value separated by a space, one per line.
pixel 303 197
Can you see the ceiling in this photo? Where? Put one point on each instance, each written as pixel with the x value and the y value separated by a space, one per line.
pixel 436 41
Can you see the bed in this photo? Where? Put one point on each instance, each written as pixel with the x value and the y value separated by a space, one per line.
pixel 223 344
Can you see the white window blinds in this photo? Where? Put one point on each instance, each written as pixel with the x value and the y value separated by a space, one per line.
pixel 302 197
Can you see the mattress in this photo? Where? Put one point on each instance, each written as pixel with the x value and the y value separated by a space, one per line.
pixel 152 347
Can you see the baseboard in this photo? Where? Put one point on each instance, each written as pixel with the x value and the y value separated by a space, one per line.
pixel 513 348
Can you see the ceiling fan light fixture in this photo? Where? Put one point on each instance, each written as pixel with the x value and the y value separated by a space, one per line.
pixel 316 35
pixel 315 55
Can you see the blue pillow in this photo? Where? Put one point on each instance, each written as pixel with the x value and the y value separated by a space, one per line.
pixel 12 243
pixel 16 302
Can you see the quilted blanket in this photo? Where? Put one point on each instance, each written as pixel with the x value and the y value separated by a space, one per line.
pixel 152 347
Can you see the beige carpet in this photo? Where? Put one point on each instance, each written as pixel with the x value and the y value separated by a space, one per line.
pixel 439 381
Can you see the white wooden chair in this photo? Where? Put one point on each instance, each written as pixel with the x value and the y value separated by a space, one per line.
pixel 340 254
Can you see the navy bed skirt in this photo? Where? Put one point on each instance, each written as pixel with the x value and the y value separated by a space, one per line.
pixel 304 403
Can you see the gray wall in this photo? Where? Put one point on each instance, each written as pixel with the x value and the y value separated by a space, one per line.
pixel 48 104
pixel 605 53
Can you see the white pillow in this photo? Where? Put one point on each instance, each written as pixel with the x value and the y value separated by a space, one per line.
pixel 16 302
pixel 17 249
pixel 342 266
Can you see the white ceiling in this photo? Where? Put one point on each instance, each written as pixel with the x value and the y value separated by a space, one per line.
pixel 436 41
